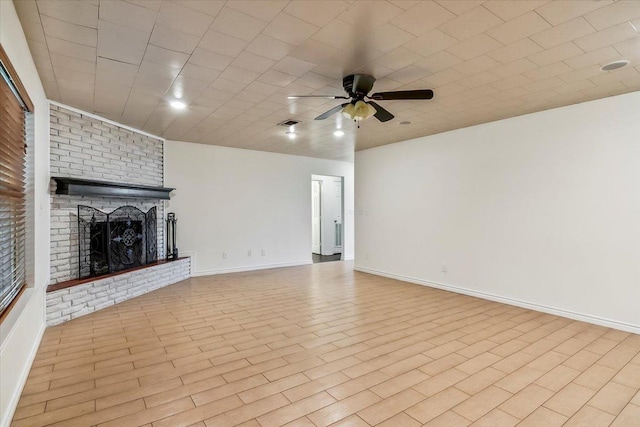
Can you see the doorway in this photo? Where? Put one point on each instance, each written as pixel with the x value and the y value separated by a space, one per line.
pixel 327 206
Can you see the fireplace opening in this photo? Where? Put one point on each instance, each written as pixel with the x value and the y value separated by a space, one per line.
pixel 110 242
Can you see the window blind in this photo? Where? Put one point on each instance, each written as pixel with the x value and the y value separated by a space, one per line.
pixel 12 190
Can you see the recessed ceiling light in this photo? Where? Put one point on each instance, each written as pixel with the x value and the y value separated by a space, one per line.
pixel 291 135
pixel 338 133
pixel 614 65
pixel 178 105
pixel 405 123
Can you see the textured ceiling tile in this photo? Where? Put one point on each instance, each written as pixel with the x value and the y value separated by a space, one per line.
pixel 475 47
pixel 431 43
pixel 519 28
pixel 422 17
pixel 70 32
pixel 128 15
pixel 313 51
pixel 73 50
pixel 374 12
pixel 252 62
pixel 600 56
pixel 173 15
pixel 237 24
pixel 517 50
pixel 239 75
pixel 80 13
pixel 121 43
pixel 438 62
pixel 508 10
pixel 556 54
pixel 557 12
pixel 388 37
pixel 607 37
pixel 163 56
pixel 289 29
pixel 209 7
pixel 460 6
pixel 264 9
pixel 213 60
pixel 318 13
pixel 277 78
pixel 547 71
pixel 476 65
pixel 171 39
pixel 222 43
pixel 616 13
pixel 518 66
pixel 474 22
pixel 336 34
pixel 269 47
pixel 295 66
pixel 563 33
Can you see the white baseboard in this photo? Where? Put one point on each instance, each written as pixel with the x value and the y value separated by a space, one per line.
pixel 248 268
pixel 519 303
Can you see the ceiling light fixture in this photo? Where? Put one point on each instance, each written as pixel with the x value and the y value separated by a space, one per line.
pixel 291 135
pixel 614 65
pixel 178 105
pixel 338 133
pixel 405 123
pixel 358 111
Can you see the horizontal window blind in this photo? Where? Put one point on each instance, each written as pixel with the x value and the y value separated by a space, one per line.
pixel 12 190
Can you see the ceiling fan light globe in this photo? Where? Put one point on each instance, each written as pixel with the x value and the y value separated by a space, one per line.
pixel 349 111
pixel 362 111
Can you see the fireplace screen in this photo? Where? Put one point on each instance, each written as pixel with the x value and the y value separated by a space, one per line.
pixel 122 239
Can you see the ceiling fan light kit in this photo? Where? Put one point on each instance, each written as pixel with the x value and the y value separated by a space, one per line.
pixel 358 87
pixel 358 111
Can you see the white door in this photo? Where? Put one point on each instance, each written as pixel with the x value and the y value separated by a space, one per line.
pixel 316 241
pixel 337 215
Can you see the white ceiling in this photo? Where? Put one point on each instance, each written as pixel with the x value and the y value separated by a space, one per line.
pixel 235 62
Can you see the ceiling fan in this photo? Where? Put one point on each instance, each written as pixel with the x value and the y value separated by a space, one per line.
pixel 358 108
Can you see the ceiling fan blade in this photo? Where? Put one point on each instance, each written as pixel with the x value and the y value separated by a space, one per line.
pixel 317 96
pixel 331 112
pixel 403 94
pixel 381 114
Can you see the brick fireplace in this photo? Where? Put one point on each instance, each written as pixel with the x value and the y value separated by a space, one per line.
pixel 87 148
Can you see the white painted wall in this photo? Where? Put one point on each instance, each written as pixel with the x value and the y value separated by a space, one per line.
pixel 21 330
pixel 541 211
pixel 231 200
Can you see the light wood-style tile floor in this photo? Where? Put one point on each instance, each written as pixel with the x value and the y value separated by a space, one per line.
pixel 323 345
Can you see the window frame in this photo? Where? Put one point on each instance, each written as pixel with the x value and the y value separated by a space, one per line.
pixel 11 79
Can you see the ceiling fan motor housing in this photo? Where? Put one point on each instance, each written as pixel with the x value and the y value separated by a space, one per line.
pixel 358 85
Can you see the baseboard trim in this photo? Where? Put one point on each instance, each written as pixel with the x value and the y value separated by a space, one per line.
pixel 511 301
pixel 248 268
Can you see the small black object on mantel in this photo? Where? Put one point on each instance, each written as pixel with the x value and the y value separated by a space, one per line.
pixel 172 249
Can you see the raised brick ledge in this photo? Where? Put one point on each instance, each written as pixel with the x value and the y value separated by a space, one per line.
pixel 73 302
pixel 77 282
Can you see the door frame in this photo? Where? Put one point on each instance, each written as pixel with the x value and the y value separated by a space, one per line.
pixel 342 212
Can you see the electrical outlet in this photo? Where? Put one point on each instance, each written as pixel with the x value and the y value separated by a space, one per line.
pixel 225 255
pixel 249 252
pixel 444 268
pixel 264 252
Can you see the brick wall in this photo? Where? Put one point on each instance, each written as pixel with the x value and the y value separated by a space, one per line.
pixel 83 146
pixel 70 303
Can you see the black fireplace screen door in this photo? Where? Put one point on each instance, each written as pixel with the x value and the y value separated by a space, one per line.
pixel 120 240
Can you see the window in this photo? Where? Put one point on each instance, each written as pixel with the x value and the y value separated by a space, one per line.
pixel 14 105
